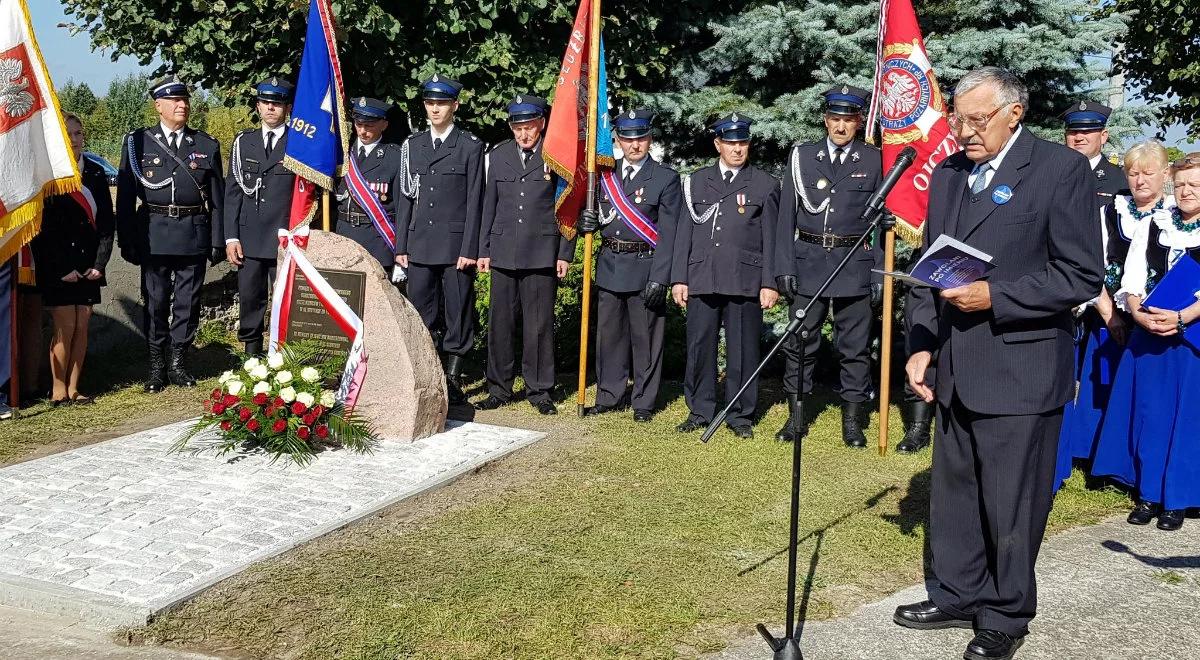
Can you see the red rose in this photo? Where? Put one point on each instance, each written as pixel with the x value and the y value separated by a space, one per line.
pixel 278 402
pixel 310 419
pixel 322 431
pixel 253 426
pixel 244 414
pixel 225 426
pixel 279 426
pixel 216 395
pixel 230 400
pixel 317 410
pixel 302 432
pixel 260 399
pixel 298 408
pixel 218 408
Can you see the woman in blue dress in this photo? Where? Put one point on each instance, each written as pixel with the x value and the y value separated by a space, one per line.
pixel 1104 327
pixel 1148 439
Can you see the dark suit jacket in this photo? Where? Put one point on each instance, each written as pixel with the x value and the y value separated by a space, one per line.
pixel 256 220
pixel 1110 182
pixel 381 169
pixel 848 191
pixel 520 230
pixel 1017 357
pixel 443 223
pixel 155 233
pixel 657 186
pixel 68 241
pixel 731 253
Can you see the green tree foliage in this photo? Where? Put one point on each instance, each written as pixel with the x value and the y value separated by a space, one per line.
pixel 1160 56
pixel 497 48
pixel 77 98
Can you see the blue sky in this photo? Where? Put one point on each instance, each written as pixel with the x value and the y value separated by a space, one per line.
pixel 72 58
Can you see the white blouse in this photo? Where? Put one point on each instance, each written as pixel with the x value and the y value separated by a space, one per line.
pixel 1177 243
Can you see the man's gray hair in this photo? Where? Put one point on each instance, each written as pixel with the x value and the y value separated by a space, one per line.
pixel 1009 88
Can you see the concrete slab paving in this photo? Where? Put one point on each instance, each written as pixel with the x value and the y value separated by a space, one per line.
pixel 113 533
pixel 26 635
pixel 1111 591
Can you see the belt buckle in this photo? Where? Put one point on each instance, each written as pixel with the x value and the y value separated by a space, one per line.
pixel 172 211
pixel 828 241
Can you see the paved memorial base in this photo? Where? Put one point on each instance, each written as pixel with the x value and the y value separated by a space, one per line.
pixel 115 532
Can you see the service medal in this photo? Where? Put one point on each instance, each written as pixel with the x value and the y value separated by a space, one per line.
pixel 637 195
pixel 821 184
pixel 157 161
pixel 383 197
pixel 546 176
pixel 149 174
pixel 741 200
pixel 193 165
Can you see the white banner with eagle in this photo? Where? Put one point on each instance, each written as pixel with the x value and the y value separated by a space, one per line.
pixel 34 148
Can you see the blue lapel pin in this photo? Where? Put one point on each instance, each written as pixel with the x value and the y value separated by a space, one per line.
pixel 1002 194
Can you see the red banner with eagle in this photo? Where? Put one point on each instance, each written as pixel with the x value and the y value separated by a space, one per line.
pixel 911 111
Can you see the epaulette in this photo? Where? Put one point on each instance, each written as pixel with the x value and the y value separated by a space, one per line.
pixel 470 135
pixel 499 144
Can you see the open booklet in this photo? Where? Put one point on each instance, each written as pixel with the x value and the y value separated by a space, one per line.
pixel 946 264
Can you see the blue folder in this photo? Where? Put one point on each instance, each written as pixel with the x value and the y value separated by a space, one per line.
pixel 1177 290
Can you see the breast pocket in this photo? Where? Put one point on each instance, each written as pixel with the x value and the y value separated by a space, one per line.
pixel 1018 220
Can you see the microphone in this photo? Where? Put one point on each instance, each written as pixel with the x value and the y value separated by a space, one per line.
pixel 903 162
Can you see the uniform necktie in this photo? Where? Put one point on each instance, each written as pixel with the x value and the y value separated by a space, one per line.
pixel 526 154
pixel 628 172
pixel 437 143
pixel 174 142
pixel 362 153
pixel 270 143
pixel 980 178
pixel 838 155
pixel 728 177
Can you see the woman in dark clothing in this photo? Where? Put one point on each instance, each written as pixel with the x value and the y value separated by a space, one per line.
pixel 70 254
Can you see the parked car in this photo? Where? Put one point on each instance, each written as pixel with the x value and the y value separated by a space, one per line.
pixel 109 170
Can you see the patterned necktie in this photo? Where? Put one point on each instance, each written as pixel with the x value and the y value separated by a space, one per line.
pixel 981 181
pixel 728 177
pixel 437 143
pixel 628 172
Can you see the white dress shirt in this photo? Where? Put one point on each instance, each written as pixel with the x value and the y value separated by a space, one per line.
pixel 637 167
pixel 167 133
pixel 1095 160
pixel 833 150
pixel 434 135
pixel 368 147
pixel 278 131
pixel 725 168
pixel 994 162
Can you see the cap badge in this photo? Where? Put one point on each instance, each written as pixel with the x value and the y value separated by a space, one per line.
pixel 632 114
pixel 519 100
pixel 845 89
pixel 362 101
pixel 733 117
pixel 435 78
pixel 274 81
pixel 1083 105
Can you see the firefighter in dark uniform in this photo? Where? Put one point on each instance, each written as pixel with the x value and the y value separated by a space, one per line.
pixel 380 165
pixel 521 245
pixel 258 202
pixel 721 272
pixel 175 173
pixel 633 276
pixel 438 240
pixel 1087 132
pixel 825 190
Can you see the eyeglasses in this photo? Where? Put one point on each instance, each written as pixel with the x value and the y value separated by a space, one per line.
pixel 977 124
pixel 1190 159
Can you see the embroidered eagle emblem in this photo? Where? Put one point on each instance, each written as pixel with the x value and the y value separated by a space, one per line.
pixel 15 98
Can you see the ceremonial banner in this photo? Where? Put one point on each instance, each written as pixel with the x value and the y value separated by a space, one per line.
pixel 565 149
pixel 911 112
pixel 33 140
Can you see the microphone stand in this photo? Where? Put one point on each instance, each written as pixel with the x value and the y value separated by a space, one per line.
pixel 788 646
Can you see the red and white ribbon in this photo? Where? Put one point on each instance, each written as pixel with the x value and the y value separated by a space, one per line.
pixel 293 244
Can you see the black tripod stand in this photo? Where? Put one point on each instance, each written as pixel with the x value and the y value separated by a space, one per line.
pixel 788 646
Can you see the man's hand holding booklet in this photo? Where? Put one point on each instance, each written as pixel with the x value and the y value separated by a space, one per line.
pixel 947 264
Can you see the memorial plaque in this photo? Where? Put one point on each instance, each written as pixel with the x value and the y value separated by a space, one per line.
pixel 308 319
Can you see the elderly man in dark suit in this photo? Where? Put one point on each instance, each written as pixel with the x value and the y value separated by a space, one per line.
pixel 1003 348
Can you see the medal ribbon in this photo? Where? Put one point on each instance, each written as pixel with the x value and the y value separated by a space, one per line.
pixel 630 214
pixel 369 202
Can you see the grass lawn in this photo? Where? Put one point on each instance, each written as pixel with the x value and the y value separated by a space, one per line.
pixel 608 539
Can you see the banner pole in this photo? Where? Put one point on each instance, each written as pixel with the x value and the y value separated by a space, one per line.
pixel 324 209
pixel 885 353
pixel 14 380
pixel 590 152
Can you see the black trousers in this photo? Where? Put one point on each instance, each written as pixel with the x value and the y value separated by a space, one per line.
pixel 171 292
pixel 445 298
pixel 255 278
pixel 990 497
pixel 629 342
pixel 530 295
pixel 851 337
pixel 741 317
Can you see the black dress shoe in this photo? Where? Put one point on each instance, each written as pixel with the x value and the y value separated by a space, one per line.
pixel 545 407
pixel 492 402
pixel 1170 520
pixel 600 409
pixel 925 615
pixel 691 426
pixel 1143 513
pixel 853 413
pixel 742 431
pixel 992 645
pixel 643 416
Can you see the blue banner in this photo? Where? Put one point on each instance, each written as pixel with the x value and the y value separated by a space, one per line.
pixel 316 142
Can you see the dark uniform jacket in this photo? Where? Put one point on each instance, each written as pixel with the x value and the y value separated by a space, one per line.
pixel 848 192
pixel 197 183
pixel 442 224
pixel 1110 181
pixel 520 230
pixel 730 254
pixel 657 186
pixel 1016 358
pixel 68 241
pixel 381 169
pixel 256 219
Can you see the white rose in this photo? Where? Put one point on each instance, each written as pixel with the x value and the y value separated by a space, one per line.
pixel 250 364
pixel 259 372
pixel 234 387
pixel 328 398
pixel 262 387
pixel 288 394
pixel 275 360
pixel 224 377
pixel 306 398
pixel 310 374
pixel 283 377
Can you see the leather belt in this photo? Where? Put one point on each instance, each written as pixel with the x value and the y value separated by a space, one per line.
pixel 622 247
pixel 173 211
pixel 827 240
pixel 358 219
